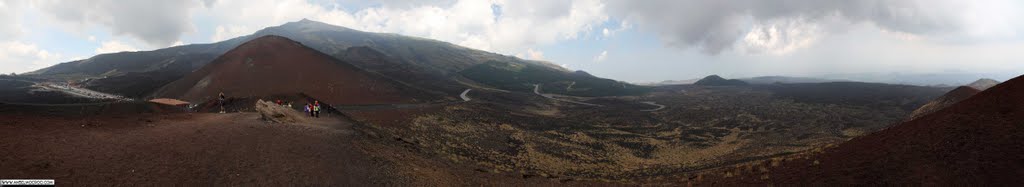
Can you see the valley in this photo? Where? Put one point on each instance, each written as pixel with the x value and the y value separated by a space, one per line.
pixel 308 103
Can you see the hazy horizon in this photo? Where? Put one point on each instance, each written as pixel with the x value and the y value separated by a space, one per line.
pixel 623 40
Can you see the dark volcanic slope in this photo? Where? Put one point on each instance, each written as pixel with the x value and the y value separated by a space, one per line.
pixel 950 98
pixel 976 142
pixel 273 65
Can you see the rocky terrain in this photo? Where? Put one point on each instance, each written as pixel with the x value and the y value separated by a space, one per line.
pixel 973 142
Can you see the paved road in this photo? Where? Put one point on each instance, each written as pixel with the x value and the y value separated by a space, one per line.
pixel 653 104
pixel 536 90
pixel 463 95
pixel 80 92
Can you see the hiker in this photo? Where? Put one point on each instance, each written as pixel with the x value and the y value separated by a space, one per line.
pixel 221 101
pixel 309 109
pixel 279 103
pixel 316 109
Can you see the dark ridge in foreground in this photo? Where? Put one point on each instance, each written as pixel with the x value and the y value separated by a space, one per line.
pixel 976 142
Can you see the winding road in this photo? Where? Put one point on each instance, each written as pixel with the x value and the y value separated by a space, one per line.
pixel 463 95
pixel 536 90
pixel 80 92
pixel 653 104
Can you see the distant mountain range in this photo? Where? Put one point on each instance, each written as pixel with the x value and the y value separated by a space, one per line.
pixel 935 80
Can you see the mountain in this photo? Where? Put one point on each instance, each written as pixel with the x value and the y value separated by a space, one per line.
pixel 786 80
pixel 275 65
pixel 123 73
pixel 983 84
pixel 952 97
pixel 976 142
pixel 715 80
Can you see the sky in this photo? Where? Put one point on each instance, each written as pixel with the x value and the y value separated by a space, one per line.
pixel 629 40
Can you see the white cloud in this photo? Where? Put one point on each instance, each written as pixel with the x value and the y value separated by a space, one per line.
pixel 623 25
pixel 780 36
pixel 601 57
pixel 10 26
pixel 715 26
pixel 157 22
pixel 532 54
pixel 471 23
pixel 114 46
pixel 222 33
pixel 91 38
pixel 21 57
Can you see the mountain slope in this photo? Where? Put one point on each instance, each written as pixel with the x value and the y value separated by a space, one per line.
pixel 119 72
pixel 952 97
pixel 273 65
pixel 976 142
pixel 946 100
pixel 983 84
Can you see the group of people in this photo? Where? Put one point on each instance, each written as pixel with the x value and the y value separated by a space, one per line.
pixel 313 109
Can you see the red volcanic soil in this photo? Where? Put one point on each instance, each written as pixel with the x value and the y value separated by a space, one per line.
pixel 976 142
pixel 234 149
pixel 273 65
pixel 194 149
pixel 952 97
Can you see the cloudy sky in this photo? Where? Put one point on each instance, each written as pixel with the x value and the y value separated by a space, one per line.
pixel 629 40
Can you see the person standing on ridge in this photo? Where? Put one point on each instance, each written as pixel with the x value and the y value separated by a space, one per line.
pixel 309 109
pixel 316 109
pixel 221 101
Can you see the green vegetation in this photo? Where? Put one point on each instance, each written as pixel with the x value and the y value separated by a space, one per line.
pixel 522 77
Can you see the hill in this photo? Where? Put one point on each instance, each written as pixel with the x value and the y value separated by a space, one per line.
pixel 715 80
pixel 952 97
pixel 274 65
pixel 976 142
pixel 983 84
